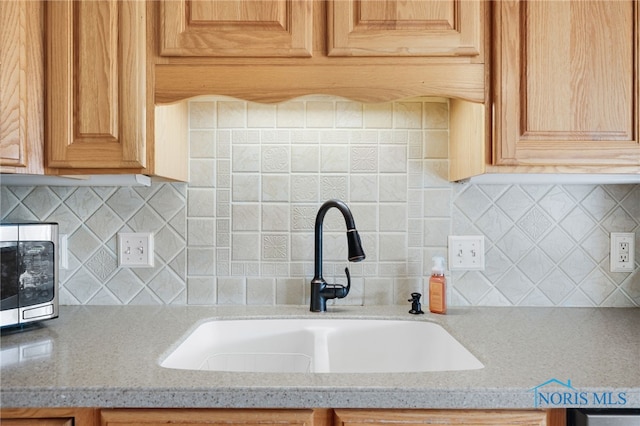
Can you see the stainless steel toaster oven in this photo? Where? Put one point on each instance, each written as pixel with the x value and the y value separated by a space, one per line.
pixel 29 280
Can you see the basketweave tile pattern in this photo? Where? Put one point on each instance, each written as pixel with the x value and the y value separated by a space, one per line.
pixel 241 231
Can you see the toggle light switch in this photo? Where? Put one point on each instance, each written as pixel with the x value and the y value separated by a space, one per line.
pixel 135 249
pixel 466 252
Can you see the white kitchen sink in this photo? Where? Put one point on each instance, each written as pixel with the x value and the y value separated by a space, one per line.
pixel 320 346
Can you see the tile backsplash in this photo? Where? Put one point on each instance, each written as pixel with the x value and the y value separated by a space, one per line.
pixel 242 230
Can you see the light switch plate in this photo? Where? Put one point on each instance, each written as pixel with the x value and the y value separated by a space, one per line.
pixel 135 249
pixel 466 253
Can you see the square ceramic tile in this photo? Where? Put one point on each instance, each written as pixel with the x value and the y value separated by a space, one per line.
pixel 349 115
pixel 275 188
pixel 261 291
pixel 245 187
pixel 231 114
pixel 436 115
pixel 245 246
pixel 436 144
pixel 245 217
pixel 202 115
pixel 392 187
pixel 231 291
pixel 408 115
pixel 261 115
pixel 378 116
pixel 202 173
pixel 202 143
pixel 320 114
pixel 245 158
pixel 334 159
pixel 394 158
pixel 305 158
pixel 275 159
pixel 275 217
pixel 200 202
pixel 290 114
pixel 201 291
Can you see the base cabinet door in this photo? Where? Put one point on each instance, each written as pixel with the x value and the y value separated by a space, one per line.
pixel 213 417
pixel 447 417
pixel 48 417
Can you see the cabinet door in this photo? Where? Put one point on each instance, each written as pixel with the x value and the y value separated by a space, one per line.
pixel 213 417
pixel 96 84
pixel 566 84
pixel 236 28
pixel 440 417
pixel 405 28
pixel 21 87
pixel 48 417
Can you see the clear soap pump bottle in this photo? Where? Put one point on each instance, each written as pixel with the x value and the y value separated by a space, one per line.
pixel 437 287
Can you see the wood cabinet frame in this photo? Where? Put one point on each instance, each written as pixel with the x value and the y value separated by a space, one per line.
pixel 517 141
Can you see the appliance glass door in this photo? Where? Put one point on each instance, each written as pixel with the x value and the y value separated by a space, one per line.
pixel 36 268
pixel 9 275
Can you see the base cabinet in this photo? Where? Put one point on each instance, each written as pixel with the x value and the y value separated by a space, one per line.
pixel 214 417
pixel 277 417
pixel 49 416
pixel 448 417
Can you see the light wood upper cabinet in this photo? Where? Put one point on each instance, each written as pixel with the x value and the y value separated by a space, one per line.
pixel 101 114
pixel 96 84
pixel 21 87
pixel 567 85
pixel 275 50
pixel 404 28
pixel 260 28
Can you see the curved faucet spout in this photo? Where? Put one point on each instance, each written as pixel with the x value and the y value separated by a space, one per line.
pixel 320 290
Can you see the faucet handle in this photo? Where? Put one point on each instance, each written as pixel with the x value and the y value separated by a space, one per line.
pixel 341 291
pixel 348 287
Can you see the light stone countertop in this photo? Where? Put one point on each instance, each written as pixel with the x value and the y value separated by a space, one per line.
pixel 108 356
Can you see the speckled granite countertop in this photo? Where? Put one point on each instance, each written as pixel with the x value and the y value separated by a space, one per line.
pixel 107 356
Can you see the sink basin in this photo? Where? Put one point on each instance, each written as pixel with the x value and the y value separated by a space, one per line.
pixel 320 346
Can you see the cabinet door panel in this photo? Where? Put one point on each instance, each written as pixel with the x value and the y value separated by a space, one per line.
pixel 96 84
pixel 236 28
pixel 21 87
pixel 404 28
pixel 213 417
pixel 37 422
pixel 439 417
pixel 567 83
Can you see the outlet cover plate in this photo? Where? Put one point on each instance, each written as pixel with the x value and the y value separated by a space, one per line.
pixel 135 249
pixel 466 253
pixel 622 252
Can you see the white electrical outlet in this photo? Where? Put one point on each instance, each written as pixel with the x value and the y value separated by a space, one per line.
pixel 466 252
pixel 135 249
pixel 622 251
